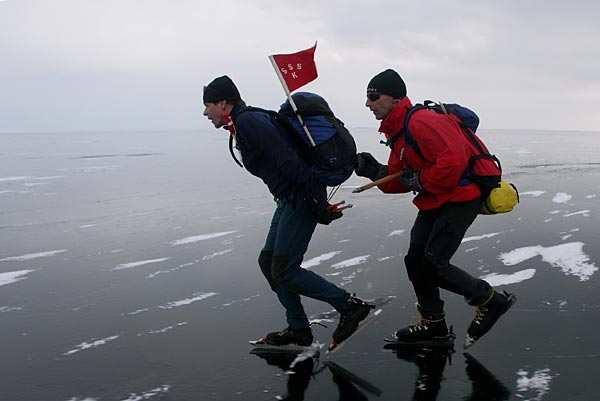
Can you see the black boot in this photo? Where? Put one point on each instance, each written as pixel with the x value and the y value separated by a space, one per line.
pixel 350 318
pixel 288 336
pixel 487 314
pixel 430 328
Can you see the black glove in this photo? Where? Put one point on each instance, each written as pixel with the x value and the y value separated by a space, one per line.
pixel 368 166
pixel 321 209
pixel 410 179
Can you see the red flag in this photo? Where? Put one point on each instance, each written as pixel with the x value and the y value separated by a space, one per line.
pixel 297 69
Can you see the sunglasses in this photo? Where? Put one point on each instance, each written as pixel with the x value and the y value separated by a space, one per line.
pixel 373 96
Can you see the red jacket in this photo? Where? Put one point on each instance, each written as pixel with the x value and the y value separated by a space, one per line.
pixel 443 145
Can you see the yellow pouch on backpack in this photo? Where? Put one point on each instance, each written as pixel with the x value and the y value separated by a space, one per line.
pixel 501 199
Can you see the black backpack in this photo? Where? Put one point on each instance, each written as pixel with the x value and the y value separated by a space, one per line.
pixel 332 159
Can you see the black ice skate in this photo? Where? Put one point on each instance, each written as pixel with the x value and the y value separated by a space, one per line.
pixel 430 331
pixel 289 336
pixel 487 314
pixel 349 320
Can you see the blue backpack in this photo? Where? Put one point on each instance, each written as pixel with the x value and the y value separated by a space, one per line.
pixel 331 161
pixel 333 157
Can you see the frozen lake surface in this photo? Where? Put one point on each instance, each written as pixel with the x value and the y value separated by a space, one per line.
pixel 128 272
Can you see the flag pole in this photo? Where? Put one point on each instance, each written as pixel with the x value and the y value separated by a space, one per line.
pixel 291 100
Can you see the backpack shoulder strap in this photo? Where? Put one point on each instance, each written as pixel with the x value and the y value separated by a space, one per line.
pixel 410 140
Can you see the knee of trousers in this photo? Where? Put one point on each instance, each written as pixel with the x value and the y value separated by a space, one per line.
pixel 265 261
pixel 414 262
pixel 279 269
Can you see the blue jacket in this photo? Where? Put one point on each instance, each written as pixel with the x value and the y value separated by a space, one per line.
pixel 269 153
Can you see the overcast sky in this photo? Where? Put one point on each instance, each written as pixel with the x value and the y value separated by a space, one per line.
pixel 68 65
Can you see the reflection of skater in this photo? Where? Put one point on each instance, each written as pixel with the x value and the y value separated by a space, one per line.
pixel 431 364
pixel 269 153
pixel 484 385
pixel 448 203
pixel 300 373
pixel 298 377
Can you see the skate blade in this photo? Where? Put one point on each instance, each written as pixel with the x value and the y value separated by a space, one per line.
pixel 469 341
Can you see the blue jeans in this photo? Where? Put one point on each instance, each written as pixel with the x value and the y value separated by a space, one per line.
pixel 291 229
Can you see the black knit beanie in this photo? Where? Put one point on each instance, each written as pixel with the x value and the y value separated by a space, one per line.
pixel 221 88
pixel 389 83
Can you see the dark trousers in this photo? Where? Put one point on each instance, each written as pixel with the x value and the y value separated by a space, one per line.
pixel 434 238
pixel 291 229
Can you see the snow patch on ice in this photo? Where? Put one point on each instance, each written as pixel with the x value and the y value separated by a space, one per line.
pixel 149 394
pixel 586 213
pixel 13 277
pixel 85 345
pixel 4 309
pixel 215 254
pixel 32 256
pixel 15 178
pixel 534 194
pixel 195 298
pixel 538 382
pixel 181 266
pixel 569 257
pixel 137 264
pixel 590 196
pixel 238 301
pixel 163 330
pixel 197 238
pixel 496 279
pixel 480 237
pixel 351 262
pixel 561 197
pixel 317 260
pixel 397 232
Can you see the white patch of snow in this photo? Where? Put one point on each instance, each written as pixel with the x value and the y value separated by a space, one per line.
pixel 195 298
pixel 351 262
pixel 569 257
pixel 539 382
pixel 496 279
pixel 197 238
pixel 583 212
pixel 149 394
pixel 215 254
pixel 317 260
pixel 561 197
pixel 13 277
pixel 140 263
pixel 534 194
pixel 32 256
pixel 85 345
pixel 480 237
